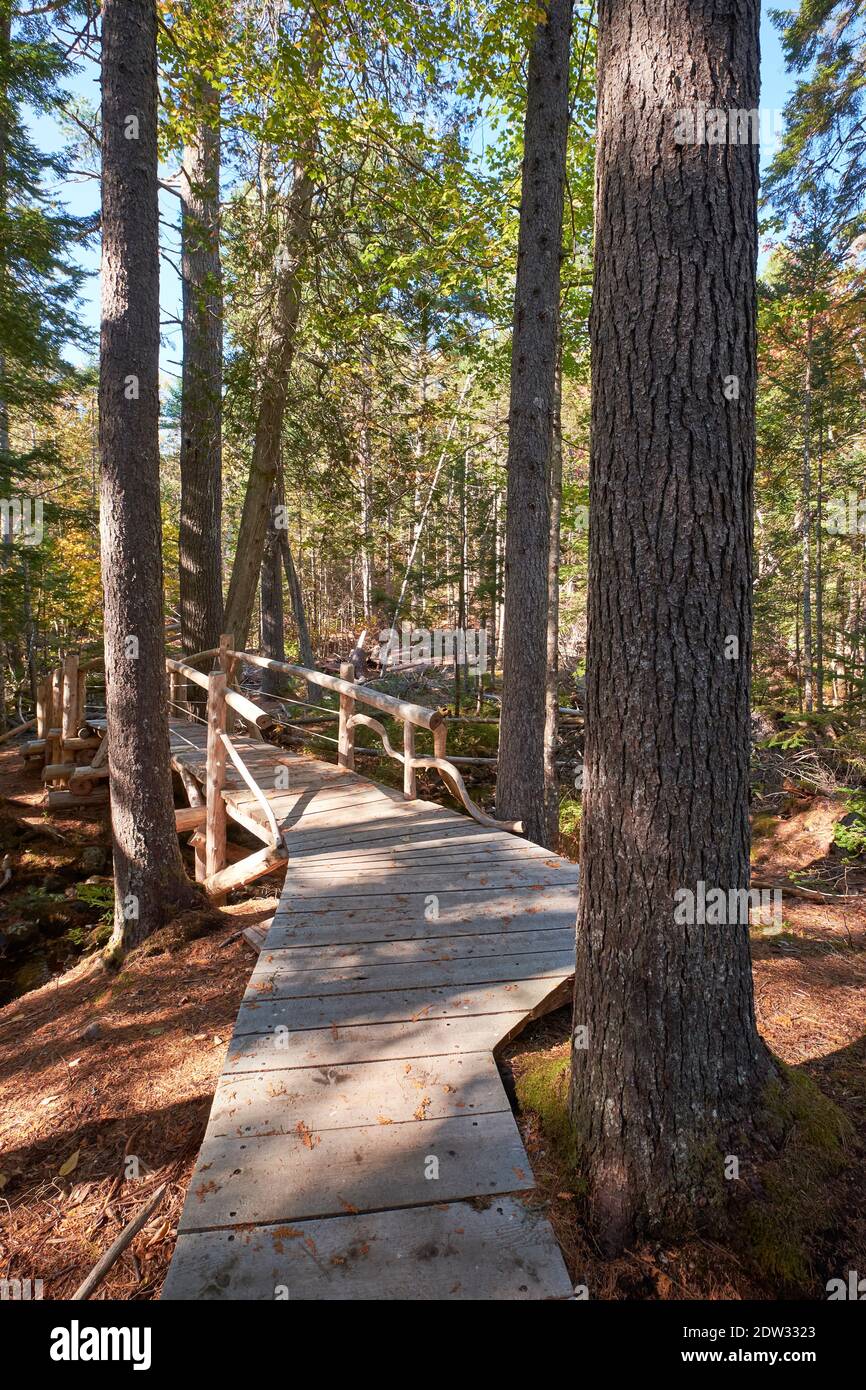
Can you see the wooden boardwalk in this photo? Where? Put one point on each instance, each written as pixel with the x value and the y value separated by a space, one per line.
pixel 361 1144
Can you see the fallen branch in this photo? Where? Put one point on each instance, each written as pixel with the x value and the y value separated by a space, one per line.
pixel 19 729
pixel 812 895
pixel 103 1265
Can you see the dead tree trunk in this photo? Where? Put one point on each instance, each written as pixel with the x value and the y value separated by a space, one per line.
pixel 520 789
pixel 199 541
pixel 666 1062
pixel 150 883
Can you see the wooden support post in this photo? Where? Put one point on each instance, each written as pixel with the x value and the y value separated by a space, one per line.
pixel 43 707
pixel 215 852
pixel 227 664
pixel 53 749
pixel 346 735
pixel 410 780
pixel 176 699
pixel 81 697
pixel 69 707
pixel 197 802
pixel 439 737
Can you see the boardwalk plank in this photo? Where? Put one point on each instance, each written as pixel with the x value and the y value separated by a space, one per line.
pixel 289 1177
pixel 396 1006
pixel 444 970
pixel 450 1251
pixel 357 1093
pixel 325 1047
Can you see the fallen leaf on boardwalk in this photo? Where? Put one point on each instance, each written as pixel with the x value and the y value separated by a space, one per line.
pixel 519 1174
pixel 421 1012
pixel 421 1112
pixel 309 1139
pixel 448 1089
pixel 70 1165
pixel 310 1244
pixel 347 1206
pixel 383 1120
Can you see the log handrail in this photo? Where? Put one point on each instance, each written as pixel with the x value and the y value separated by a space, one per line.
pixel 249 711
pixel 256 790
pixel 442 766
pixel 419 715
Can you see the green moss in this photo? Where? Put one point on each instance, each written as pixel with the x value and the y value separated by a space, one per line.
pixel 542 1090
pixel 810 1135
pixel 763 825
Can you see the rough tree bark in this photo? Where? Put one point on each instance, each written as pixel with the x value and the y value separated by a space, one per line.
pixel 199 541
pixel 670 1060
pixel 150 883
pixel 520 789
pixel 290 262
pixel 271 633
pixel 551 699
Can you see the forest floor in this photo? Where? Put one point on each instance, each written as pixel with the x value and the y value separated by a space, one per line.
pixel 106 1080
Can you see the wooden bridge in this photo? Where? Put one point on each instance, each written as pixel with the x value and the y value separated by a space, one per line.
pixel 361 1144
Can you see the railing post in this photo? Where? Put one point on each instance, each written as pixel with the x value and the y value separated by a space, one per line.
pixel 227 664
pixel 53 747
pixel 175 693
pixel 410 781
pixel 346 736
pixel 69 712
pixel 43 707
pixel 215 821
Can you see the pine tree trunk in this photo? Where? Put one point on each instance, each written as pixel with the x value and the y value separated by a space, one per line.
pixel 806 528
pixel 200 539
pixel 551 702
pixel 150 883
pixel 520 786
pixel 819 576
pixel 671 1058
pixel 264 468
pixel 272 634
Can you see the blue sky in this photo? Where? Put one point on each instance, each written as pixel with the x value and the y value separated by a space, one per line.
pixel 82 195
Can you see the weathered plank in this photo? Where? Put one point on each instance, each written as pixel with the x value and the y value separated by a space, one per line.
pixel 449 1251
pixel 272 982
pixel 396 1006
pixel 431 947
pixel 348 1095
pixel 275 1049
pixel 287 1177
pixel 396 916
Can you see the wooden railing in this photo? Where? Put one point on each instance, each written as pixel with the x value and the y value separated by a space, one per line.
pixel 412 716
pixel 67 737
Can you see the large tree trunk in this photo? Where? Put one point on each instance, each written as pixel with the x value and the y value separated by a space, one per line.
pixel 5 460
pixel 150 883
pixel 291 259
pixel 199 542
pixel 520 789
pixel 666 1057
pixel 551 699
pixel 806 526
pixel 271 632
